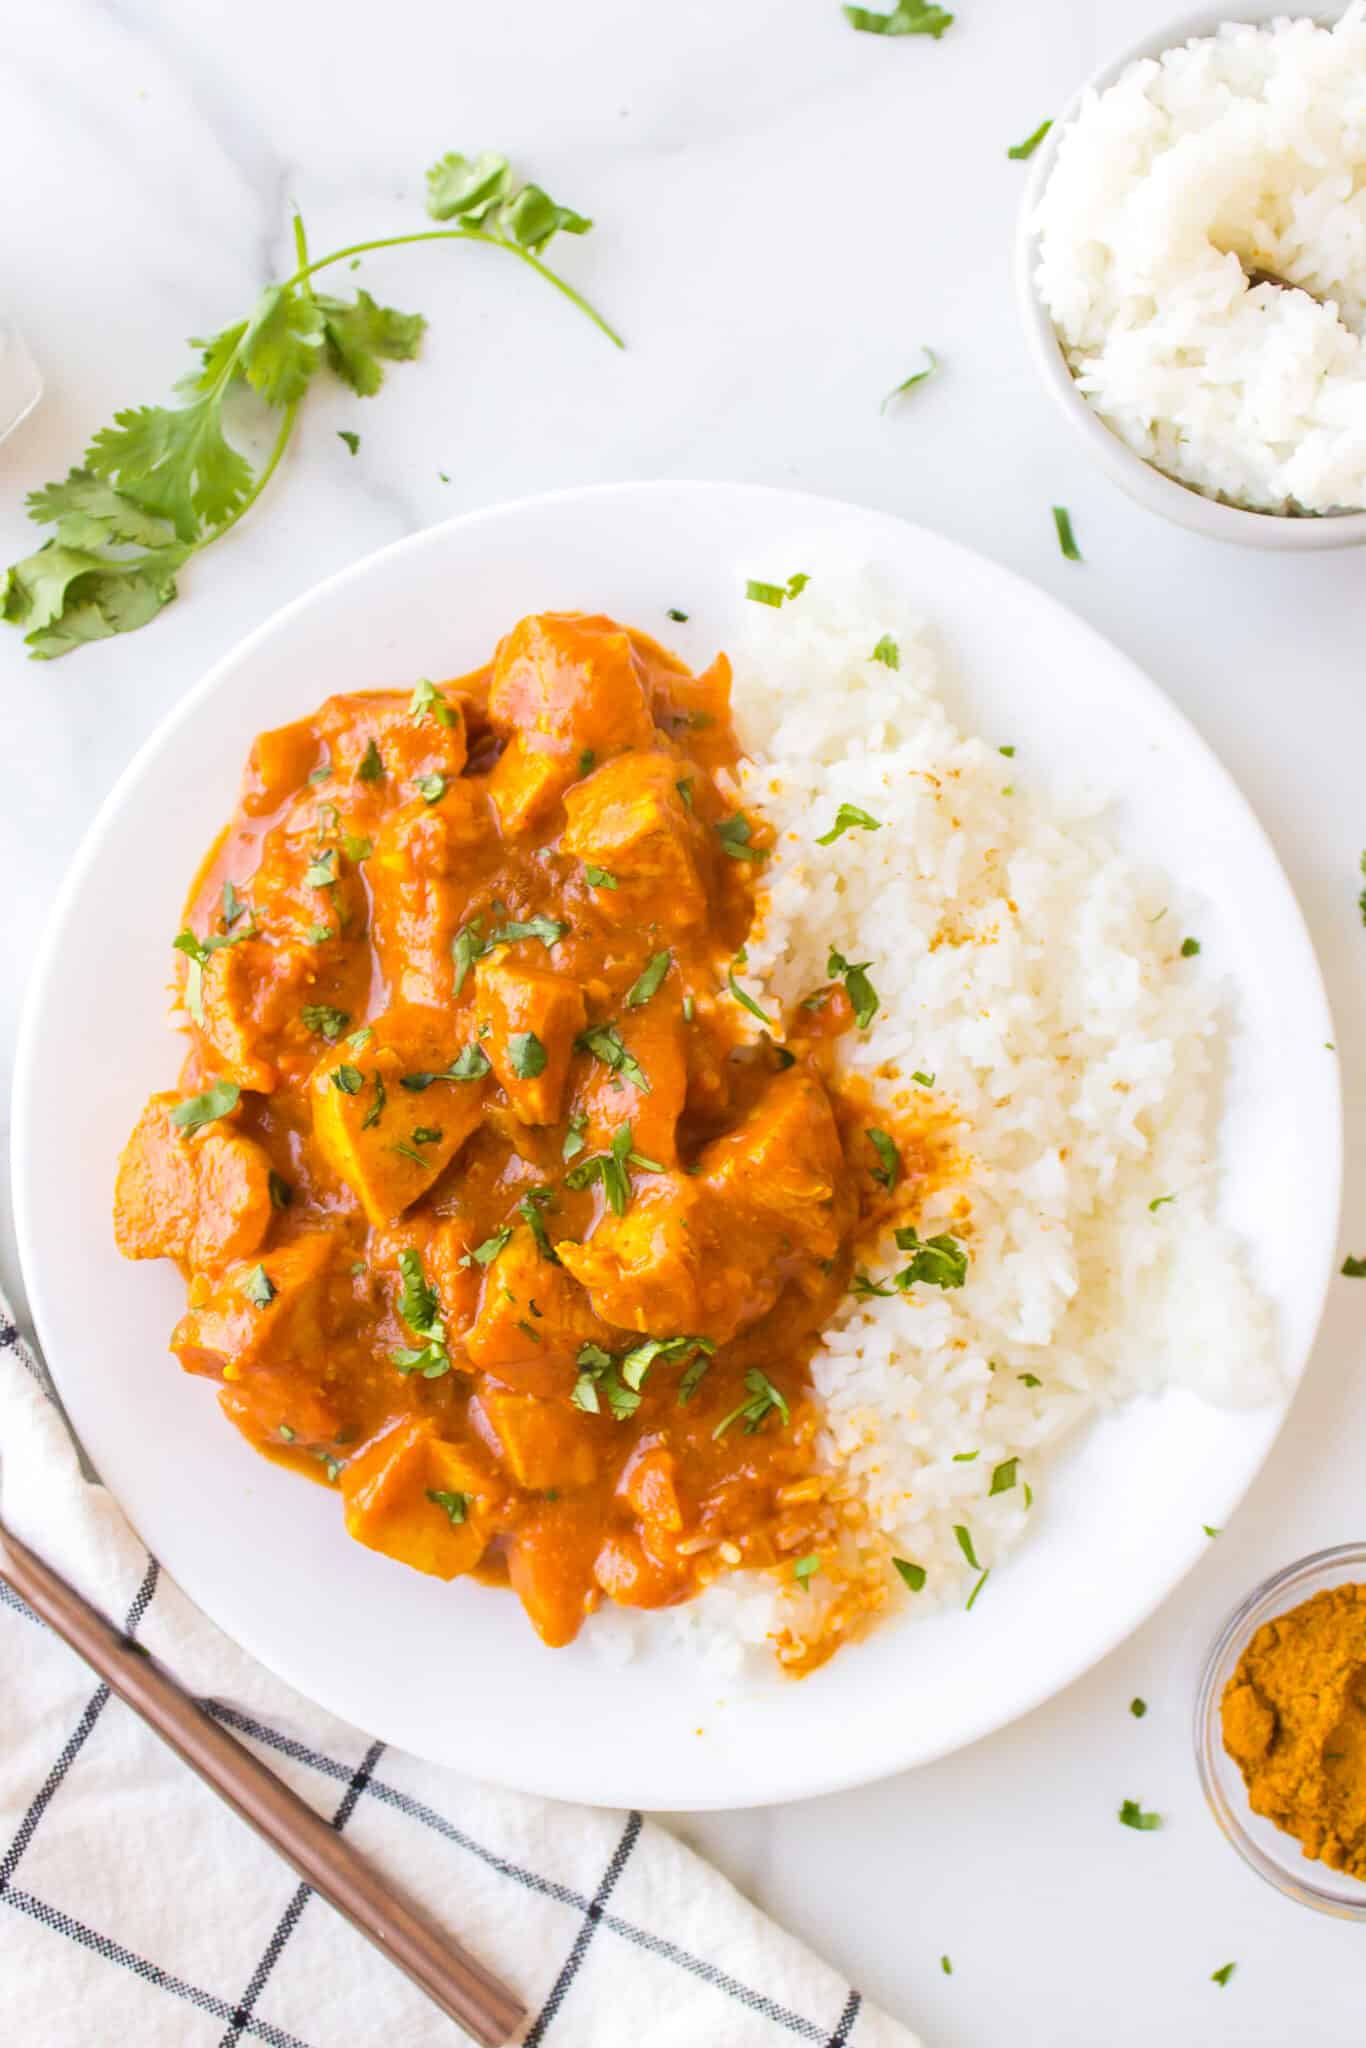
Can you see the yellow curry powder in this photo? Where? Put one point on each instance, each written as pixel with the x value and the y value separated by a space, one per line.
pixel 1294 1722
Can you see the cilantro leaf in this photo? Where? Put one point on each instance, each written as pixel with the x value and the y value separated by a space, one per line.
pixel 455 1505
pixel 889 1172
pixel 259 1288
pixel 1067 540
pixel 1021 151
pixel 907 18
pixel 735 834
pixel 848 817
pixel 218 1100
pixel 282 345
pixel 938 1261
pixel 649 981
pixel 604 1041
pixel 860 990
pixel 526 1055
pixel 1131 1815
pixel 912 1575
pixel 324 1019
pixel 899 391
pixel 887 651
pixel 357 334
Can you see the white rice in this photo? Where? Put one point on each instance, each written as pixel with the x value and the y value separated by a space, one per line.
pixel 1247 148
pixel 1076 1045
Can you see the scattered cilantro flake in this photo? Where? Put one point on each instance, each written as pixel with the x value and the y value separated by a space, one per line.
pixel 599 878
pixel 259 1288
pixel 526 1055
pixel 549 930
pixel 233 906
pixel 1022 151
pixel 1062 520
pixel 357 846
pixel 864 1287
pixel 679 618
pixel 765 1400
pixel 765 593
pixel 649 981
pixel 286 1433
pixel 319 934
pixel 946 1966
pixel 1009 752
pixel 889 1172
pixel 529 1209
pixel 215 1101
pixel 431 788
pixel 938 1261
pixel 484 1254
pixel 1354 1269
pixel 348 1079
pixel 925 1080
pixel 574 1140
pixel 735 835
pixel 971 1601
pixel 326 1021
pixel 371 765
pixel 848 818
pixel 965 1545
pixel 1160 1202
pixel 805 1568
pixel 468 945
pixel 377 1107
pixel 931 359
pixel 911 1575
pixel 684 788
pixel 1003 1477
pixel 322 772
pixel 1222 1975
pixel 887 651
pixel 351 439
pixel 455 1505
pixel 1138 1708
pixel 907 18
pixel 859 989
pixel 965 1457
pixel 428 702
pixel 360 1039
pixel 689 1009
pixel 1189 948
pixel 1030 1379
pixel 321 872
pixel 746 1001
pixel 605 1043
pixel 1131 1815
pixel 1211 1532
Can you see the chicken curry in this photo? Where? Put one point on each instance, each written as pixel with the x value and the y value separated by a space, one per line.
pixel 501 1206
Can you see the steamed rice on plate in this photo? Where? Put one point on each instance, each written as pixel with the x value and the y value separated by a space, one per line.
pixel 1042 992
pixel 1202 255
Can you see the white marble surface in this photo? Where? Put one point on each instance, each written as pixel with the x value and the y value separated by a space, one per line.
pixel 786 211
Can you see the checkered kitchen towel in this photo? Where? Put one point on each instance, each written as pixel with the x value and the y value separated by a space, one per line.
pixel 134 1907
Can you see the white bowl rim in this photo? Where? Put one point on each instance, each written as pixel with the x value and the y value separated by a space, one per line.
pixel 1147 485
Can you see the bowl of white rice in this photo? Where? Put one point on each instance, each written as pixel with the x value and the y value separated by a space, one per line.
pixel 1191 265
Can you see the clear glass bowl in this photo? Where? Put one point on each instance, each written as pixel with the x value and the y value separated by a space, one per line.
pixel 1273 1855
pixel 21 383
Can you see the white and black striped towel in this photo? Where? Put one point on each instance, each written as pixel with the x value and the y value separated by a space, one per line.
pixel 134 1908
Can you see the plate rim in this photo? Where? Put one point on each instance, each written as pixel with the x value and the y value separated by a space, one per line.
pixel 790 1783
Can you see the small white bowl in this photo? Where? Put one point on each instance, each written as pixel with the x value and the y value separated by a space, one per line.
pixel 1295 533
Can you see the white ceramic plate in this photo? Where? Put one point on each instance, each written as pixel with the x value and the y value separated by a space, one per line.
pixel 454 1672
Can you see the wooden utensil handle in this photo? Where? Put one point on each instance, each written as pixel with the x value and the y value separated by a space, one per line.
pixel 451 1978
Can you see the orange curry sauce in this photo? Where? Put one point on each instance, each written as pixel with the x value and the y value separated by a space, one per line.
pixel 480 1114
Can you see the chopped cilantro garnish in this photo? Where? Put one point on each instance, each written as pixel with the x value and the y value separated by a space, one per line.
pixel 1067 541
pixel 735 834
pixel 859 989
pixel 484 1254
pixel 1354 1269
pixel 1131 1815
pixel 377 1107
pixel 925 1080
pixel 887 652
pixel 281 1193
pixel 347 1079
pixel 912 1575
pixel 938 1261
pixel 806 1568
pixel 321 872
pixel 1189 948
pixel 1138 1708
pixel 431 788
pixel 1023 150
pixel 599 878
pixel 326 1021
pixel 259 1288
pixel 456 1505
pixel 679 618
pixel 746 1001
pixel 649 980
pixel 847 818
pixel 964 1537
pixel 371 766
pixel 428 700
pixel 972 1596
pixel 604 1042
pixel 351 438
pixel 931 359
pixel 215 1101
pixel 526 1055
pixel 1222 1975
pixel 764 1401
pixel 1004 1475
pixel 889 1172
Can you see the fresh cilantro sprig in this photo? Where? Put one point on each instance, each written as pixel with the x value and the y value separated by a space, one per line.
pixel 164 482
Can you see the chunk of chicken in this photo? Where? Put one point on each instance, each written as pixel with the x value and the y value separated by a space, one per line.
pixel 550 1567
pixel 419 1500
pixel 529 1018
pixel 203 1198
pixel 239 1326
pixel 414 733
pixel 532 1320
pixel 422 875
pixel 707 1255
pixel 563 686
pixel 253 997
pixel 389 1142
pixel 629 818
pixel 544 1444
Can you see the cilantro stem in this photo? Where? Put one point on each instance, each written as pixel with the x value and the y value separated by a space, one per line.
pixel 461 235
